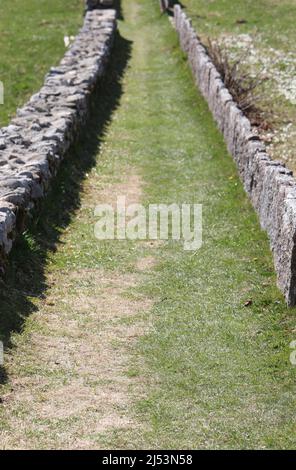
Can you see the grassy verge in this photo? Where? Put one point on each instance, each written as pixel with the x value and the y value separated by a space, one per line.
pixel 273 19
pixel 31 40
pixel 262 34
pixel 194 350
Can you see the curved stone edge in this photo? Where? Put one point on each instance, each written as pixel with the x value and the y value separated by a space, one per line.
pixel 37 139
pixel 270 186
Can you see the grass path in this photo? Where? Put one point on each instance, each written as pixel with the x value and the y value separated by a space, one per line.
pixel 139 344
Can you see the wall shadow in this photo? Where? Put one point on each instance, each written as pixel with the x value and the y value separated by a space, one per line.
pixel 117 6
pixel 171 4
pixel 25 277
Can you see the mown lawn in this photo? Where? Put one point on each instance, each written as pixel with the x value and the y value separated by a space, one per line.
pixel 31 40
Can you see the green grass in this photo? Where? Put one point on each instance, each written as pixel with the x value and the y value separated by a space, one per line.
pixel 210 372
pixel 31 40
pixel 274 20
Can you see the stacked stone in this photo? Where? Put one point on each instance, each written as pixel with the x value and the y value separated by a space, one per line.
pixel 270 185
pixel 35 142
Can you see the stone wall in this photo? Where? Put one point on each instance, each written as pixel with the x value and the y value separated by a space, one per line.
pixel 37 139
pixel 167 4
pixel 271 187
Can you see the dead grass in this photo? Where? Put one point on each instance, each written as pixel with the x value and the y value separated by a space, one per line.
pixel 69 372
pixel 146 264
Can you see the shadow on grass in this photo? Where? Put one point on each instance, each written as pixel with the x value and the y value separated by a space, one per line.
pixel 25 278
pixel 118 7
pixel 170 10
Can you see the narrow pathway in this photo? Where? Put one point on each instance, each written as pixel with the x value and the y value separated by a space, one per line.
pixel 122 344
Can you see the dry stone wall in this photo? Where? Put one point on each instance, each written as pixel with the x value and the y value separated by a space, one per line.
pixel 271 187
pixel 37 139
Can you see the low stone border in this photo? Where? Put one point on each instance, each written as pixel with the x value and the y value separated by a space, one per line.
pixel 33 145
pixel 271 187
